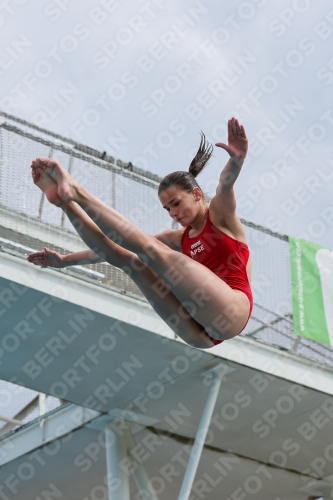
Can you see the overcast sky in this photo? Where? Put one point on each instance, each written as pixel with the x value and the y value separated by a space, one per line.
pixel 140 79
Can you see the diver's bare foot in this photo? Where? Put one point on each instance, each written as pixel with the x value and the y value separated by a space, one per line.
pixel 47 185
pixel 66 183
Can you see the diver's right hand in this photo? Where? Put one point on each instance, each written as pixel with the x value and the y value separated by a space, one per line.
pixel 46 258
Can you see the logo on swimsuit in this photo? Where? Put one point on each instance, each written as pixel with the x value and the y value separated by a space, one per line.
pixel 196 248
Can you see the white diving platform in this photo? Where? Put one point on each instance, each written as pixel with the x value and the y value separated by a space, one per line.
pixel 136 397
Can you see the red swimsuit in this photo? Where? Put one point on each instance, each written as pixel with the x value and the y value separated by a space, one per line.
pixel 223 255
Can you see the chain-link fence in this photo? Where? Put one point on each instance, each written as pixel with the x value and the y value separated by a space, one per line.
pixel 28 222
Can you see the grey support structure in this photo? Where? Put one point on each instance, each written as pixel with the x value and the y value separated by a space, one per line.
pixel 118 479
pixel 217 374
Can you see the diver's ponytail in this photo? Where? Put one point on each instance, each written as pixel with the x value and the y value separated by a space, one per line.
pixel 186 180
pixel 202 157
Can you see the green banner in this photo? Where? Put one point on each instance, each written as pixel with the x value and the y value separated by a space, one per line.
pixel 312 290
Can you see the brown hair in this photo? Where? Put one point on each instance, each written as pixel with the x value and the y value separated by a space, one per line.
pixel 186 180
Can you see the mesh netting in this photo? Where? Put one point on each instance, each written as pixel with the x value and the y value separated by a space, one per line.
pixel 20 405
pixel 28 222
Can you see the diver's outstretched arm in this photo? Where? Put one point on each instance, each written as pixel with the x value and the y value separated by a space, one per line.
pixel 51 258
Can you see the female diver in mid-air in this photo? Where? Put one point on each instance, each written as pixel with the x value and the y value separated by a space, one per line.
pixel 196 278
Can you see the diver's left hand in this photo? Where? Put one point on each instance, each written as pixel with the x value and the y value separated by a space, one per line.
pixel 237 141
